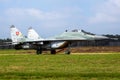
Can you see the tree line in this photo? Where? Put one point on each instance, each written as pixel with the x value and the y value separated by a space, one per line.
pixel 4 41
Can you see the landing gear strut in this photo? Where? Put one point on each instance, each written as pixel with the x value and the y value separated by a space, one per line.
pixel 68 50
pixel 39 51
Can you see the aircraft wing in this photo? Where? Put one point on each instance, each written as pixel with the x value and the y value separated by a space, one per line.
pixel 69 36
pixel 56 40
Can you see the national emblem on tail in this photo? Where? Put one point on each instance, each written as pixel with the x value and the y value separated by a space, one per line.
pixel 16 35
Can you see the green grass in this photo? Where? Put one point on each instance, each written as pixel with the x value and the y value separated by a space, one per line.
pixel 58 67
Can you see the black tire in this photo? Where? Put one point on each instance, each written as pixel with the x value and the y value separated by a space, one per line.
pixel 67 52
pixel 53 51
pixel 39 51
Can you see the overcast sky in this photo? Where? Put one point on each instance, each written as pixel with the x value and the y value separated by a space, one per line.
pixel 52 17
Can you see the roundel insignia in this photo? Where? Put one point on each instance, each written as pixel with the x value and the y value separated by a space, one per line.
pixel 17 33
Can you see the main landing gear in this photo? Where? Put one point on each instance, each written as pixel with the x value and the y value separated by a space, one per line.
pixel 39 50
pixel 67 51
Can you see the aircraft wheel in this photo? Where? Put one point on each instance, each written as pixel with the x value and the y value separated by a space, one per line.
pixel 67 52
pixel 38 51
pixel 53 51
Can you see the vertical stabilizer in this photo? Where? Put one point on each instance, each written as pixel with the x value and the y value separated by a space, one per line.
pixel 33 35
pixel 16 35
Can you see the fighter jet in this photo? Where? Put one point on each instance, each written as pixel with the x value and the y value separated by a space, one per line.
pixel 64 40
